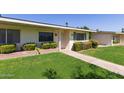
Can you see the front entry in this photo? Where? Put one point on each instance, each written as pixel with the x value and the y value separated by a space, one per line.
pixel 64 39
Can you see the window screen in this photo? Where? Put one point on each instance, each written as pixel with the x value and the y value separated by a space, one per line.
pixel 79 36
pixel 13 36
pixel 2 36
pixel 45 36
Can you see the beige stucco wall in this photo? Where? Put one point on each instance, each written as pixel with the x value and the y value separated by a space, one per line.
pixel 103 38
pixel 73 41
pixel 65 39
pixel 122 39
pixel 29 33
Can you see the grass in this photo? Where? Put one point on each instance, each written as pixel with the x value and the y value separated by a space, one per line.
pixel 114 54
pixel 34 67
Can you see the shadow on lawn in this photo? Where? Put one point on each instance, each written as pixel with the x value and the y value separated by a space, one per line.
pixel 79 73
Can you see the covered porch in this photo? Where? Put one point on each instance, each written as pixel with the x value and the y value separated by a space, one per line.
pixel 118 39
pixel 68 37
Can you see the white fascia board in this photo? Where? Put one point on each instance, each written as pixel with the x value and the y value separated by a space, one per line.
pixel 120 33
pixel 39 24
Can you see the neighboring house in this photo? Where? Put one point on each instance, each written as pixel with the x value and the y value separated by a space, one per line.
pixel 16 31
pixel 108 38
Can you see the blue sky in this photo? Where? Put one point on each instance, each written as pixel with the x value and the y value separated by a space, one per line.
pixel 105 22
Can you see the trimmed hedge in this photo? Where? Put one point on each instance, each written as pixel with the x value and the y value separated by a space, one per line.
pixel 78 46
pixel 49 45
pixel 7 48
pixel 53 45
pixel 94 43
pixel 45 45
pixel 87 45
pixel 29 46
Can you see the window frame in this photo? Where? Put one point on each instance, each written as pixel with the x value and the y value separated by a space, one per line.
pixel 6 36
pixel 4 30
pixel 77 36
pixel 46 40
pixel 13 36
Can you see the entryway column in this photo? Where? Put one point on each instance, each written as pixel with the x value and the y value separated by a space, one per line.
pixel 59 39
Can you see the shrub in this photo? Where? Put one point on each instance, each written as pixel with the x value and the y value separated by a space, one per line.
pixel 94 43
pixel 7 48
pixel 77 46
pixel 116 41
pixel 29 46
pixel 81 46
pixel 50 74
pixel 53 45
pixel 46 45
pixel 93 75
pixel 87 45
pixel 79 74
pixel 49 45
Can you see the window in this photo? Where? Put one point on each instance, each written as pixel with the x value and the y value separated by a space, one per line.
pixel 116 39
pixel 79 36
pixel 2 36
pixel 13 36
pixel 9 36
pixel 45 36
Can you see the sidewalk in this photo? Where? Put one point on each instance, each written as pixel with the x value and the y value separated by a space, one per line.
pixel 101 63
pixel 25 53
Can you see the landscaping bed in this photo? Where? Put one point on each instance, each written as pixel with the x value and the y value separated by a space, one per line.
pixel 10 48
pixel 113 54
pixel 53 65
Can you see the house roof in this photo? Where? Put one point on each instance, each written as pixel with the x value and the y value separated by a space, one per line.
pixel 109 32
pixel 101 31
pixel 28 22
pixel 120 33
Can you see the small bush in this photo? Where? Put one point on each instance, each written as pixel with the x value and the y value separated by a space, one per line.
pixel 78 46
pixel 7 48
pixel 94 44
pixel 29 46
pixel 46 45
pixel 116 41
pixel 93 75
pixel 50 74
pixel 49 45
pixel 79 74
pixel 53 45
pixel 87 45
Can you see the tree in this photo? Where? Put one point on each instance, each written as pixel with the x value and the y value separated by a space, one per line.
pixel 97 30
pixel 87 28
pixel 66 24
pixel 122 30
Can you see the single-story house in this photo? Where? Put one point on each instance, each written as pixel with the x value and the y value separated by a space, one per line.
pixel 108 38
pixel 16 31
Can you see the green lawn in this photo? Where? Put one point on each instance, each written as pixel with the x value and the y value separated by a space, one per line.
pixel 114 54
pixel 62 66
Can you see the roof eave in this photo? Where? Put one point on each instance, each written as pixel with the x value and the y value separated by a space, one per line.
pixel 39 24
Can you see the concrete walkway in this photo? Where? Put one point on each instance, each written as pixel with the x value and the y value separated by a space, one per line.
pixel 25 53
pixel 101 63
